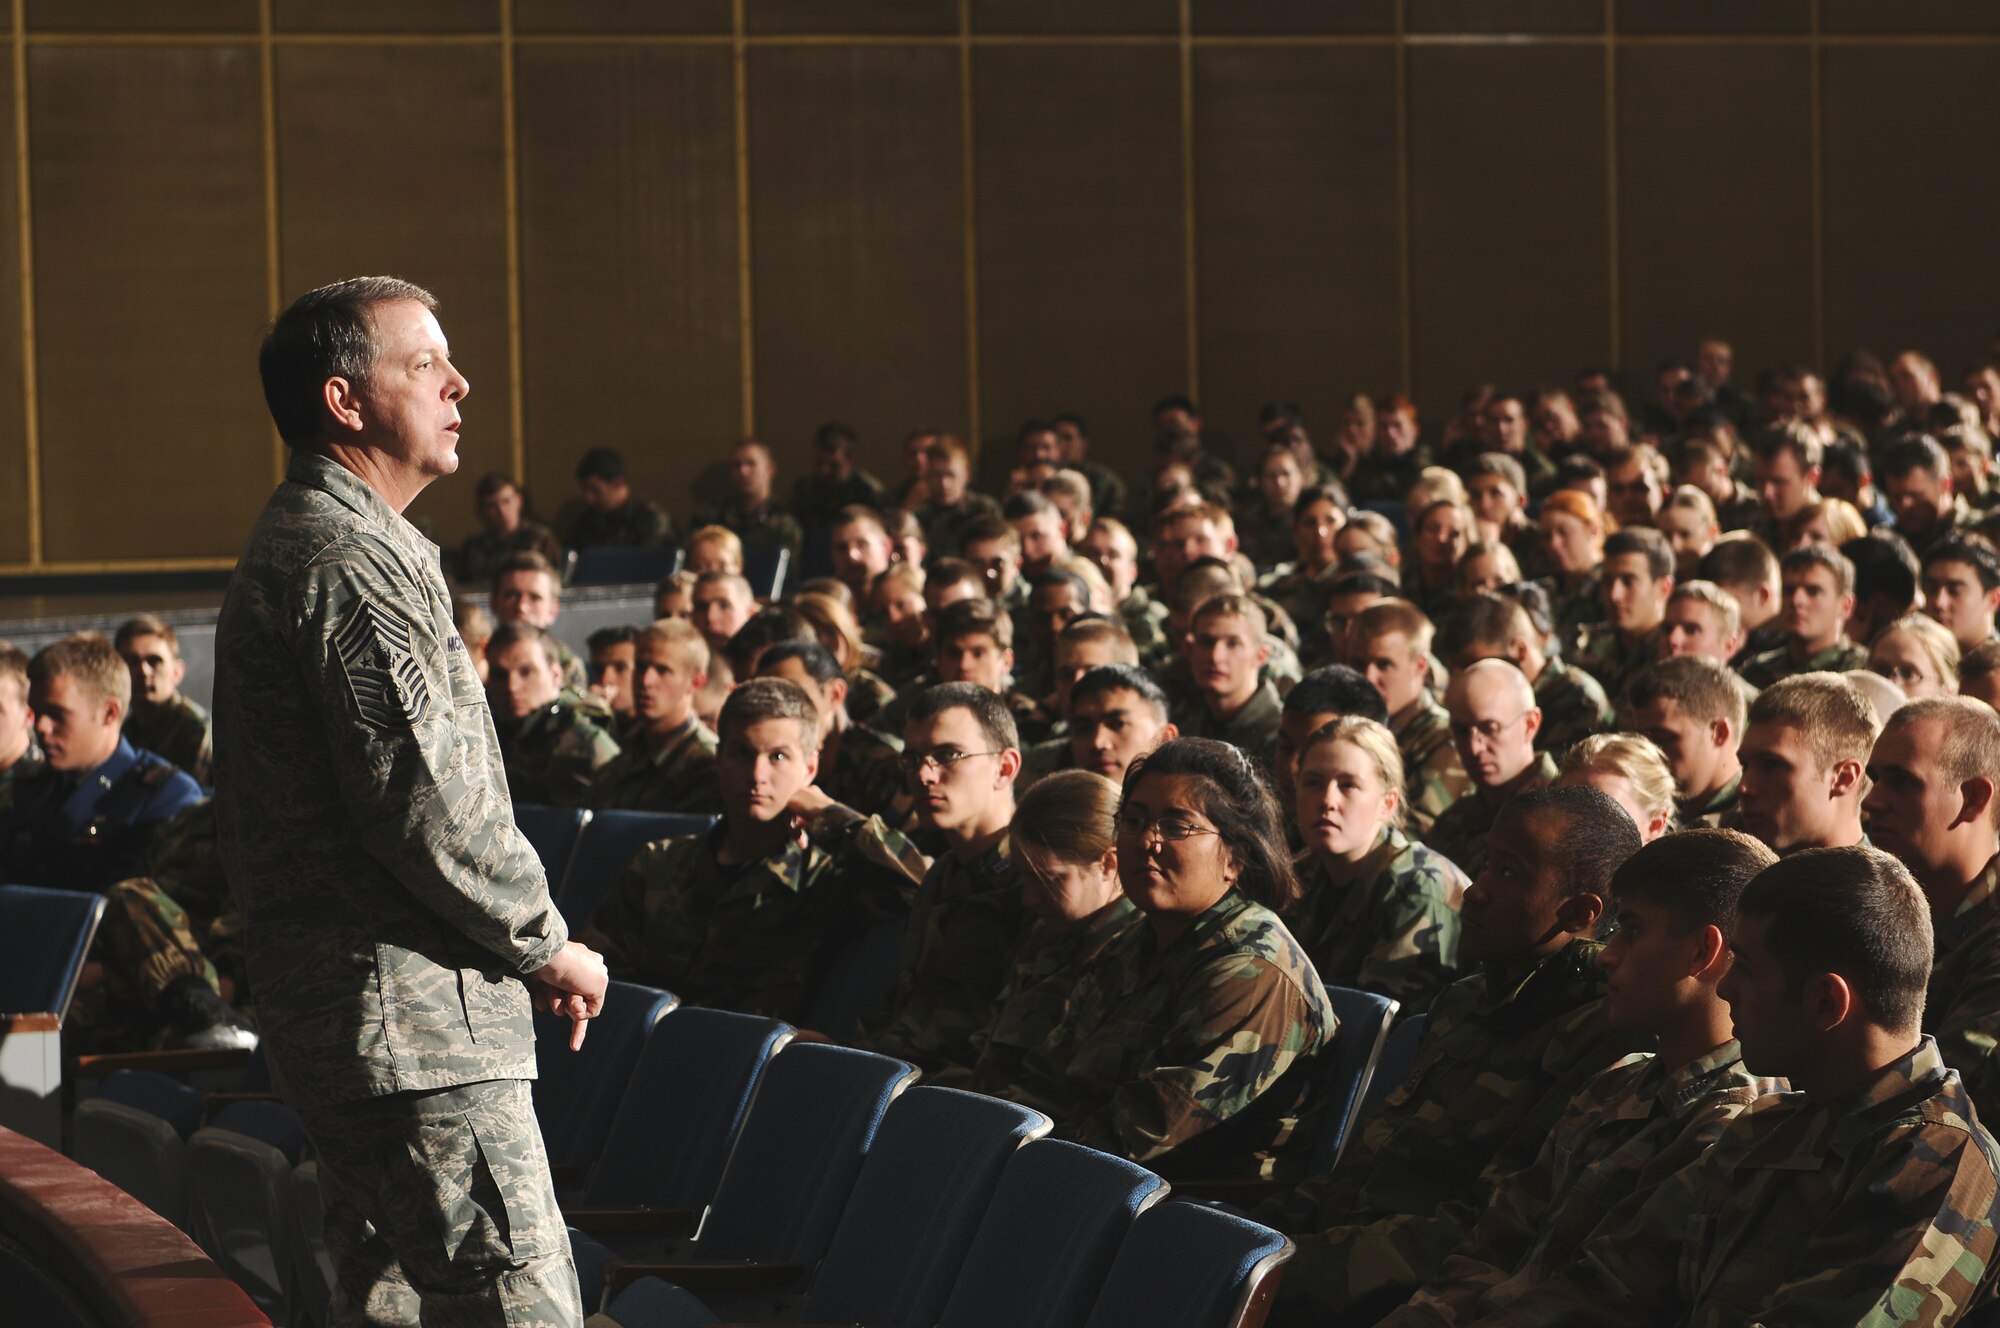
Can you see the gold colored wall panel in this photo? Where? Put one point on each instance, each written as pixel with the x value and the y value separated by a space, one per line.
pixel 1235 17
pixel 1096 18
pixel 416 16
pixel 14 546
pixel 1504 16
pixel 633 16
pixel 852 16
pixel 237 16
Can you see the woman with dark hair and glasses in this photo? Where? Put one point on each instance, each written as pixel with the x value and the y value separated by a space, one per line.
pixel 1190 1046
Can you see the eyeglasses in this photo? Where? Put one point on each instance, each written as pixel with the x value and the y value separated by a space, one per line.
pixel 1489 729
pixel 942 759
pixel 1172 829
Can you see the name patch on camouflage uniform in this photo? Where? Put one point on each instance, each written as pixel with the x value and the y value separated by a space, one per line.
pixel 376 650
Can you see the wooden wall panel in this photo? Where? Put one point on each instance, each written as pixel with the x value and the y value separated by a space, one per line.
pixel 1708 17
pixel 1296 212
pixel 1908 16
pixel 852 16
pixel 1909 203
pixel 428 16
pixel 857 245
pixel 630 328
pixel 637 16
pixel 1257 17
pixel 1487 16
pixel 1082 253
pixel 1715 243
pixel 141 15
pixel 392 163
pixel 1509 246
pixel 13 409
pixel 1108 17
pixel 149 289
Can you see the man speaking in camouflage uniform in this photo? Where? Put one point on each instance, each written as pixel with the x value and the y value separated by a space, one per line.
pixel 397 924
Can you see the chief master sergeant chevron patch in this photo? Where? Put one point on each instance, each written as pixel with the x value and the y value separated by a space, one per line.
pixel 382 669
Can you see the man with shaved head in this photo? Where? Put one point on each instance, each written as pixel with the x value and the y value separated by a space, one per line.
pixel 1494 720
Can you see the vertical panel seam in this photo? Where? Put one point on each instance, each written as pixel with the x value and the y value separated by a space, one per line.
pixel 510 187
pixel 1189 242
pixel 969 192
pixel 30 402
pixel 1612 282
pixel 1406 315
pixel 740 91
pixel 1815 91
pixel 267 91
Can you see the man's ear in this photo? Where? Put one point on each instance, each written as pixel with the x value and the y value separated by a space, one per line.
pixel 343 402
pixel 1533 721
pixel 1828 1000
pixel 1709 954
pixel 1580 913
pixel 1719 733
pixel 836 693
pixel 1847 776
pixel 1976 801
pixel 1010 765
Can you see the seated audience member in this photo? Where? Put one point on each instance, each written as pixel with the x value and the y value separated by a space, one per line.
pixel 1117 714
pixel 1703 620
pixel 1805 756
pixel 1962 587
pixel 1496 486
pixel 1866 1195
pixel 1377 912
pixel 834 626
pixel 614 658
pixel 551 746
pixel 1107 487
pixel 722 604
pixel 673 597
pixel 607 512
pixel 20 756
pixel 903 637
pixel 741 917
pixel 1069 490
pixel 1439 537
pixel 1747 572
pixel 527 590
pixel 1637 576
pixel 973 642
pixel 994 550
pixel 1689 708
pixel 1702 463
pixel 766 628
pixel 1039 527
pixel 749 510
pixel 1389 643
pixel 1226 650
pixel 505 529
pixel 1919 655
pixel 960 757
pixel 1331 692
pixel 1486 568
pixel 1832 522
pixel 1637 1123
pixel 1189 1046
pixel 858 767
pixel 1632 771
pixel 952 507
pixel 1916 482
pixel 1300 586
pixel 1369 534
pixel 1111 546
pixel 668 765
pixel 1493 720
pixel 87 816
pixel 475 629
pixel 1689 524
pixel 1819 596
pixel 1490 626
pixel 1346 597
pixel 906 538
pixel 1885 584
pixel 1979 673
pixel 1502 1054
pixel 1087 643
pixel 860 549
pixel 1931 804
pixel 1786 459
pixel 1056 596
pixel 1846 473
pixel 714 549
pixel 1065 854
pixel 836 483
pixel 1267 519
pixel 162 721
pixel 1184 535
pixel 1635 481
pixel 1573 532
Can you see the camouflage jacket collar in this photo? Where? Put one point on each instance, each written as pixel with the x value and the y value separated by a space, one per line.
pixel 1558 982
pixel 681 737
pixel 1180 955
pixel 1979 907
pixel 1722 800
pixel 1422 716
pixel 1801 1139
pixel 1833 659
pixel 1661 1091
pixel 796 863
pixel 316 471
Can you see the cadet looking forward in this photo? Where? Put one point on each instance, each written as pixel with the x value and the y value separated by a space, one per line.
pixel 398 923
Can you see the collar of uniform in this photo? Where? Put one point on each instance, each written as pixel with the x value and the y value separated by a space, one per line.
pixel 1855 1119
pixel 1552 977
pixel 1720 800
pixel 316 470
pixel 1259 709
pixel 1181 953
pixel 1981 902
pixel 1421 714
pixel 672 745
pixel 788 867
pixel 1696 1079
pixel 989 867
pixel 96 781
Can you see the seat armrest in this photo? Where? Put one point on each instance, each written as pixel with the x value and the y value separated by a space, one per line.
pixel 599 1221
pixel 164 1062
pixel 1244 1192
pixel 744 1275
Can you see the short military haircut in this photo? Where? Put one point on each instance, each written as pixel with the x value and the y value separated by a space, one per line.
pixel 1315 493
pixel 1069 490
pixel 1212 513
pixel 1061 576
pixel 1694 876
pixel 990 712
pixel 1912 453
pixel 325 333
pixel 1376 526
pixel 527 560
pixel 903 576
pixel 1728 612
pixel 948 449
pixel 1499 463
pixel 619 634
pixel 1203 579
pixel 1795 437
pixel 1096 629
pixel 1363 583
pixel 946 572
pixel 90 661
pixel 1335 689
pixel 1836 720
pixel 1742 562
pixel 765 628
pixel 1234 606
pixel 723 535
pixel 736 581
pixel 1971 738
pixel 474 624
pixel 1648 543
pixel 1595 840
pixel 1108 678
pixel 975 617
pixel 1393 615
pixel 1482 620
pixel 1706 690
pixel 859 514
pixel 1810 556
pixel 1027 503
pixel 147 624
pixel 1973 551
pixel 990 529
pixel 814 658
pixel 600 463
pixel 1980 662
pixel 681 636
pixel 14 665
pixel 493 482
pixel 1852 911
pixel 1883 565
pixel 833 436
pixel 512 634
pixel 768 698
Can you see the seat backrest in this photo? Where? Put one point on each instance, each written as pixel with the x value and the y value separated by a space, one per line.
pixel 270 1123
pixel 156 1094
pixel 44 936
pixel 577 1092
pixel 811 1122
pixel 650 1302
pixel 616 565
pixel 1186 1266
pixel 552 832
pixel 1050 1232
pixel 683 1105
pixel 608 843
pixel 764 567
pixel 1364 1026
pixel 916 1206
pixel 240 1199
pixel 1399 1053
pixel 857 981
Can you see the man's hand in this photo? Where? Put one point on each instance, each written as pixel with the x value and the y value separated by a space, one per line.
pixel 571 984
pixel 808 802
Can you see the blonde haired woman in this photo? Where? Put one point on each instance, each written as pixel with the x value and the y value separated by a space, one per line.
pixel 1632 771
pixel 1919 654
pixel 1830 521
pixel 833 623
pixel 1379 912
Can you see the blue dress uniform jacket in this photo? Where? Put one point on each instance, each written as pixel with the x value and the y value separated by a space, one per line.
pixel 89 832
